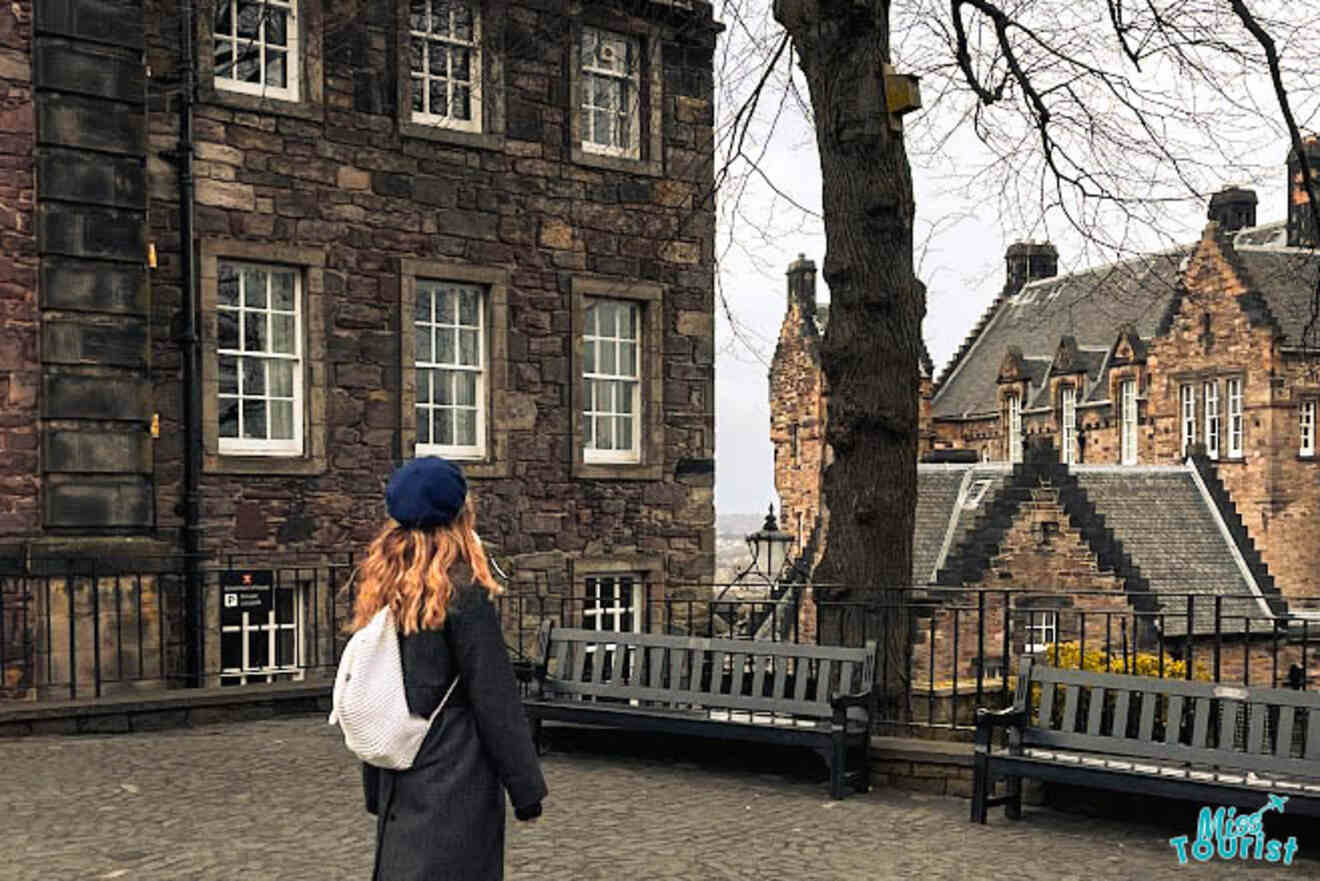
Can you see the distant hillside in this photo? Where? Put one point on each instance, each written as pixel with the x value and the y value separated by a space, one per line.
pixel 737 525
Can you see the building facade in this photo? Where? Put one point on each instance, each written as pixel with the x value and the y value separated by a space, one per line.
pixel 479 229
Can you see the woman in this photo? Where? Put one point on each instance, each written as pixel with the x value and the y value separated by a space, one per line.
pixel 444 817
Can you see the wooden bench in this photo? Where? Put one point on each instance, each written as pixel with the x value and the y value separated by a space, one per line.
pixel 1227 744
pixel 770 692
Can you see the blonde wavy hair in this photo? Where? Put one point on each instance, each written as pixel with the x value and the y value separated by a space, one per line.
pixel 408 570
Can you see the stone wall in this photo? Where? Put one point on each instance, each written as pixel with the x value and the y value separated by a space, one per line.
pixel 20 372
pixel 343 179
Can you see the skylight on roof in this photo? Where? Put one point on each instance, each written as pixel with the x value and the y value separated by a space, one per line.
pixel 975 493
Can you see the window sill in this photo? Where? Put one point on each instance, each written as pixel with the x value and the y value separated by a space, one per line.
pixel 291 466
pixel 1307 457
pixel 457 137
pixel 302 109
pixel 616 471
pixel 648 167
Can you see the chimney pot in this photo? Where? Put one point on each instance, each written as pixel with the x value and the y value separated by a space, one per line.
pixel 1233 208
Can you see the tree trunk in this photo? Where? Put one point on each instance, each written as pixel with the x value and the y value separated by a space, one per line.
pixel 872 342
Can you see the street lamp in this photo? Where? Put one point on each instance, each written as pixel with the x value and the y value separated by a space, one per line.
pixel 771 546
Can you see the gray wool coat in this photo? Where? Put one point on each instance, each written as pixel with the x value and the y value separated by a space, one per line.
pixel 444 817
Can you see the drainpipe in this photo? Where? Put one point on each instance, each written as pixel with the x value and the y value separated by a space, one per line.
pixel 194 621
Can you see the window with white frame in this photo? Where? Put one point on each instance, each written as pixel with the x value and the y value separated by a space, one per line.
pixel 260 361
pixel 1068 439
pixel 445 63
pixel 1014 404
pixel 264 644
pixel 1306 423
pixel 1187 407
pixel 611 105
pixel 1233 390
pixel 1211 392
pixel 450 358
pixel 256 47
pixel 1042 631
pixel 612 604
pixel 611 365
pixel 1127 402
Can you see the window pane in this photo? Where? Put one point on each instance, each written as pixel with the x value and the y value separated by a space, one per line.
pixel 607 324
pixel 439 98
pixel 417 55
pixel 438 59
pixel 444 426
pixel 249 18
pixel 589 430
pixel 422 307
pixel 466 428
pixel 424 348
pixel 461 65
pixel 440 16
pixel 627 359
pixel 600 132
pixel 228 289
pixel 591 320
pixel 282 338
pixel 423 425
pixel 417 18
pixel 589 40
pixel 224 17
pixel 423 386
pixel 589 356
pixel 228 376
pixel 224 59
pixel 226 329
pixel 442 386
pixel 467 348
pixel 281 379
pixel 467 389
pixel 254 376
pixel 462 104
pixel 418 95
pixel 444 306
pixel 258 648
pixel 467 308
pixel 255 337
pixel 229 417
pixel 623 396
pixel 254 288
pixel 249 63
pixel 463 22
pixel 284 656
pixel 281 288
pixel 444 345
pixel 604 93
pixel 608 356
pixel 604 435
pixel 625 425
pixel 281 420
pixel 254 419
pixel 276 27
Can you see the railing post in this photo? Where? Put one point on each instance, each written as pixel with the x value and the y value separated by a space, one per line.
pixel 73 625
pixel 96 629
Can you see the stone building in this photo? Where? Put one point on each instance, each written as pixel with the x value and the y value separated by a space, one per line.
pixel 1134 363
pixel 480 229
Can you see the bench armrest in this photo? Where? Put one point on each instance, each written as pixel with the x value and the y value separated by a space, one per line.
pixel 840 703
pixel 988 720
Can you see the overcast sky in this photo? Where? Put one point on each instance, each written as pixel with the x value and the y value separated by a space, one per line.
pixel 961 234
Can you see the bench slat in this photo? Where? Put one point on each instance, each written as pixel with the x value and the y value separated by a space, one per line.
pixel 1096 711
pixel 1201 723
pixel 739 676
pixel 823 671
pixel 1313 735
pixel 1146 725
pixel 1173 720
pixel 1071 698
pixel 807 709
pixel 1121 706
pixel 1256 730
pixel 764 647
pixel 1047 705
pixel 1228 717
pixel 781 681
pixel 561 657
pixel 579 661
pixel 1187 688
pixel 717 672
pixel 1225 759
pixel 758 678
pixel 1284 735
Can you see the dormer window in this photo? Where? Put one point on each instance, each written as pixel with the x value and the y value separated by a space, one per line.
pixel 1068 434
pixel 1013 404
pixel 1127 404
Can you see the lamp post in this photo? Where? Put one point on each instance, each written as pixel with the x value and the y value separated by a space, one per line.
pixel 770 545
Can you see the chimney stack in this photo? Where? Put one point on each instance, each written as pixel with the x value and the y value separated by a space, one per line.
pixel 1233 208
pixel 1027 262
pixel 802 285
pixel 1301 230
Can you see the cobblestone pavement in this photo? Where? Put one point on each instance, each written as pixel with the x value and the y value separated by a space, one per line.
pixel 281 800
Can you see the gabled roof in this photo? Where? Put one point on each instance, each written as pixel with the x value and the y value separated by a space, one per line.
pixel 1161 529
pixel 1093 305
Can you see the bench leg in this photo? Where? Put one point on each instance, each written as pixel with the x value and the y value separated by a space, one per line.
pixel 538 736
pixel 838 764
pixel 864 773
pixel 980 786
pixel 1013 806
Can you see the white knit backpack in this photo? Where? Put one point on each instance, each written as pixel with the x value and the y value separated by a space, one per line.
pixel 369 703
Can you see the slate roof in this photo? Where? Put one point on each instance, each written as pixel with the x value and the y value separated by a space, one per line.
pixel 1159 519
pixel 1094 304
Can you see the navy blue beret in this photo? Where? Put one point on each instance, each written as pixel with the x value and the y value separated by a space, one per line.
pixel 426 492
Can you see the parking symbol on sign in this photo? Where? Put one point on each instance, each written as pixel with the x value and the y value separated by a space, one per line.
pixel 231 601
